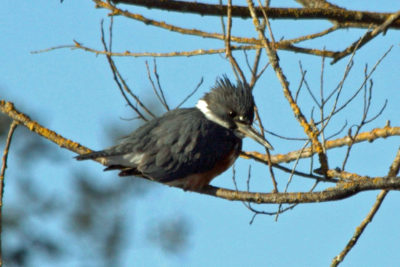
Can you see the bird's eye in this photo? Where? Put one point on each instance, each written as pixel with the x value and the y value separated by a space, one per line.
pixel 232 114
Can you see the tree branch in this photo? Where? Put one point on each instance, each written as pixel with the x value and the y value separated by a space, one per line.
pixel 366 38
pixel 274 60
pixel 8 109
pixel 369 136
pixel 393 171
pixel 285 45
pixel 341 191
pixel 13 126
pixel 361 18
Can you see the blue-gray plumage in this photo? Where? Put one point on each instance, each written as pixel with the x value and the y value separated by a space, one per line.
pixel 188 147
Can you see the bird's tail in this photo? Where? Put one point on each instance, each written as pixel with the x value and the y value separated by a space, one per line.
pixel 92 155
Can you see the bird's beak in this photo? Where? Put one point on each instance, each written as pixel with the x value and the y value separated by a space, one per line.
pixel 248 130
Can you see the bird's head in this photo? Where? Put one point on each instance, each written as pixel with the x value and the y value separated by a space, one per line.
pixel 232 106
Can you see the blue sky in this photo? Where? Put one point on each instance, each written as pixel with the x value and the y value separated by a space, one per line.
pixel 72 93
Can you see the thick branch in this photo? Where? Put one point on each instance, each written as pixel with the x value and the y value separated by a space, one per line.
pixel 361 18
pixel 284 45
pixel 341 191
pixel 8 109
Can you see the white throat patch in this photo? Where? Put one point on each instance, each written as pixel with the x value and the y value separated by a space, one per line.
pixel 203 107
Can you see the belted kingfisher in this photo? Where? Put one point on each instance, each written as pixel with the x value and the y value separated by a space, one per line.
pixel 188 147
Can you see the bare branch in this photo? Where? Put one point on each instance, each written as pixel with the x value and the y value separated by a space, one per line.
pixel 309 37
pixel 356 18
pixel 367 37
pixel 303 74
pixel 274 60
pixel 369 136
pixel 192 93
pixel 317 4
pixel 155 72
pixel 8 109
pixel 197 52
pixel 393 171
pixel 340 85
pixel 228 53
pixel 290 179
pixel 254 70
pixel 13 126
pixel 341 191
pixel 306 175
pixel 116 11
pixel 284 46
pixel 271 171
pixel 160 96
pixel 120 81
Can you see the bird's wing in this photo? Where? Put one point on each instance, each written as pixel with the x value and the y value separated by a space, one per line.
pixel 192 144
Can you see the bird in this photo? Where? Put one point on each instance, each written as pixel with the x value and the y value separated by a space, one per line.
pixel 188 147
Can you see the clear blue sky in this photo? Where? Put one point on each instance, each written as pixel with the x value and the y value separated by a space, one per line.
pixel 72 93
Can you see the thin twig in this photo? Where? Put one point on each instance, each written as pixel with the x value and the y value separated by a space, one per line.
pixel 248 205
pixel 322 101
pixel 13 126
pixel 338 131
pixel 303 76
pixel 344 105
pixel 290 179
pixel 266 20
pixel 153 85
pixel 254 69
pixel 338 90
pixel 306 175
pixel 197 52
pixel 292 206
pixel 379 113
pixel 271 171
pixel 286 137
pixel 311 36
pixel 256 212
pixel 191 93
pixel 164 101
pixel 366 106
pixel 314 98
pixel 236 68
pixel 122 85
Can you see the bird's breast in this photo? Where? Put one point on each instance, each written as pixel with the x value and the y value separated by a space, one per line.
pixel 197 181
